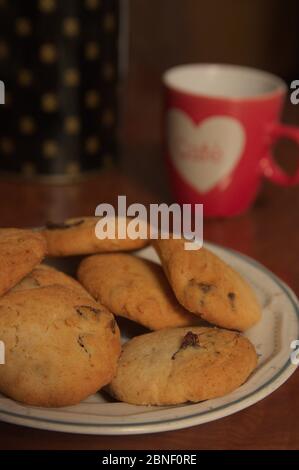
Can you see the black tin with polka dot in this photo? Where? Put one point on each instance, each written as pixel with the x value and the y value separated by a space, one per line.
pixel 59 63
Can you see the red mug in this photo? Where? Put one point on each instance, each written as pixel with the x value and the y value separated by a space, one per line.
pixel 221 122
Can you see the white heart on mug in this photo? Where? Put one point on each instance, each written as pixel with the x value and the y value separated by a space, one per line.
pixel 206 153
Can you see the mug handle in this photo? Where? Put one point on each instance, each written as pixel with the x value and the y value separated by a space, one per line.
pixel 269 168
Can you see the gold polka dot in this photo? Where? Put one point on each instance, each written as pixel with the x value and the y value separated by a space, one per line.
pixel 23 27
pixel 71 27
pixel 73 168
pixel 27 125
pixel 109 23
pixel 108 118
pixel 50 149
pixel 92 4
pixel 72 77
pixel 7 146
pixel 72 125
pixel 92 51
pixel 4 50
pixel 92 99
pixel 25 77
pixel 108 71
pixel 47 6
pixel 28 169
pixel 92 145
pixel 48 53
pixel 49 102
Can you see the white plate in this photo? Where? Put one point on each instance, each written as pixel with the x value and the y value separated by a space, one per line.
pixel 272 338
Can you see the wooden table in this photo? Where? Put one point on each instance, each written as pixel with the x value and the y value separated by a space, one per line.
pixel 268 233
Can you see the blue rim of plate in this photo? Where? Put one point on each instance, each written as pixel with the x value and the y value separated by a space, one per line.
pixel 294 301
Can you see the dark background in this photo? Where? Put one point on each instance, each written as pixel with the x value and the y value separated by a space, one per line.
pixel 160 34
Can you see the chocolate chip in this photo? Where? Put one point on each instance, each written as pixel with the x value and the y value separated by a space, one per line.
pixel 204 287
pixel 80 310
pixel 232 297
pixel 81 344
pixel 190 340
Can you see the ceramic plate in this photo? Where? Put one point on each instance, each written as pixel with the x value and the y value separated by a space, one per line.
pixel 272 338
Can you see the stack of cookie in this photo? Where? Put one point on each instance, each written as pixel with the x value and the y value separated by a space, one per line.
pixel 62 342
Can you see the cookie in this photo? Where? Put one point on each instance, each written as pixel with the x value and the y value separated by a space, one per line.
pixel 60 347
pixel 20 251
pixel 44 275
pixel 134 288
pixel 178 365
pixel 77 237
pixel 207 286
